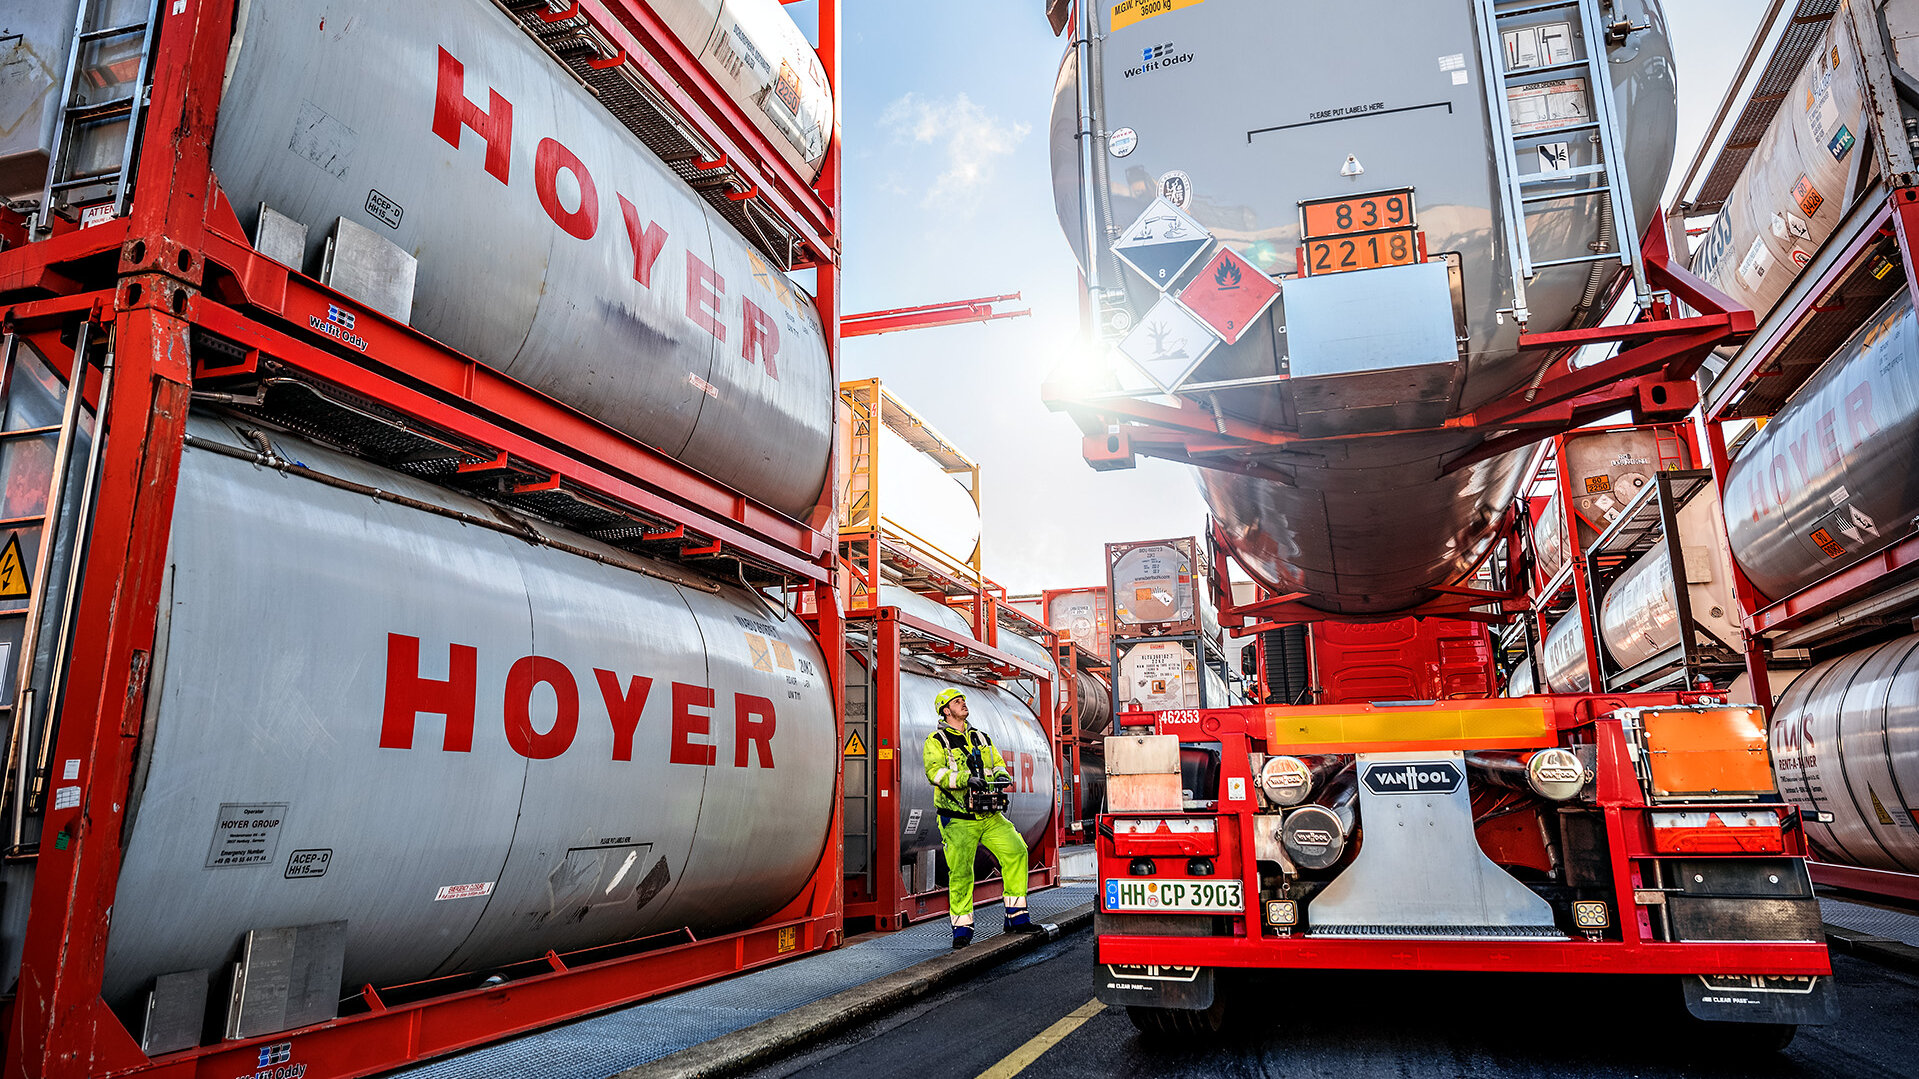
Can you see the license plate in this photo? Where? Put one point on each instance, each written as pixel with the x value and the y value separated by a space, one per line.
pixel 1370 251
pixel 1363 213
pixel 1191 896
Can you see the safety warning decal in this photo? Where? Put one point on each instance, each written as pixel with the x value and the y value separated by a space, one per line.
pixel 761 651
pixel 464 891
pixel 13 571
pixel 855 747
pixel 1128 12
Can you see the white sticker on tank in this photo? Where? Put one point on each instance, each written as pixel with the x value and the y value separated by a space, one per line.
pixel 1555 156
pixel 1758 260
pixel 1459 78
pixel 66 798
pixel 913 822
pixel 1452 61
pixel 464 891
pixel 71 770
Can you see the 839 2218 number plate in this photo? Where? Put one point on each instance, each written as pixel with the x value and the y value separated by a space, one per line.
pixel 1364 251
pixel 1193 896
pixel 1344 216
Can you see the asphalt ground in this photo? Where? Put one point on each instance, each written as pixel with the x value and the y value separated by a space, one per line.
pixel 1036 1016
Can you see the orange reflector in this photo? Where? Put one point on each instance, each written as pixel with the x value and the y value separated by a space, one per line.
pixel 1718 832
pixel 1347 728
pixel 1716 752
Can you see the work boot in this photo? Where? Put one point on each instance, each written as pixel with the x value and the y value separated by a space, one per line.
pixel 1020 923
pixel 962 936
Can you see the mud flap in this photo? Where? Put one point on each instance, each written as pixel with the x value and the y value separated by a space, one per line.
pixel 1188 988
pixel 1760 998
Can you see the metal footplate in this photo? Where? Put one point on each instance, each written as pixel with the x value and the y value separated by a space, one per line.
pixel 1420 872
pixel 1437 932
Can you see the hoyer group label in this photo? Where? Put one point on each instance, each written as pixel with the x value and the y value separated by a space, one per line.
pixel 246 833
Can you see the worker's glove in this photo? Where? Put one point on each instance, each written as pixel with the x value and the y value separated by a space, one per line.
pixel 1002 781
pixel 975 783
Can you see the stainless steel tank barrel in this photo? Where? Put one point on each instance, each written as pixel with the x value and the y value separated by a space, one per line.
pixel 1014 729
pixel 1521 684
pixel 1639 615
pixel 760 58
pixel 1845 741
pixel 470 747
pixel 1830 480
pixel 1095 703
pixel 1562 659
pixel 1270 137
pixel 550 243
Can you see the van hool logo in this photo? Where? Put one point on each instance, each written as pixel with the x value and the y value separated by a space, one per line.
pixel 1418 777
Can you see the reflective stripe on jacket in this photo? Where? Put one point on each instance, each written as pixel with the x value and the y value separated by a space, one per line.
pixel 948 759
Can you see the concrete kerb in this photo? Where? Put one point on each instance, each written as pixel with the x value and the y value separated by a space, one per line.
pixel 732 1053
pixel 1874 949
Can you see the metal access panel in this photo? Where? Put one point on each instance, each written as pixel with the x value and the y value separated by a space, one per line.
pixel 370 268
pixel 1420 872
pixel 1373 351
pixel 287 978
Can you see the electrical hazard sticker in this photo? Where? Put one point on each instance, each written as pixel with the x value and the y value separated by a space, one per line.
pixel 855 746
pixel 13 571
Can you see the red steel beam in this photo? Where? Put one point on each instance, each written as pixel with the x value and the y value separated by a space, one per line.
pixel 928 316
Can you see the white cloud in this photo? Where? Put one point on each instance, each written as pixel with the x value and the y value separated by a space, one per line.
pixel 972 140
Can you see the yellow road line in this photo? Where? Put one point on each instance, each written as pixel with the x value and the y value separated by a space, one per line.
pixel 1017 1061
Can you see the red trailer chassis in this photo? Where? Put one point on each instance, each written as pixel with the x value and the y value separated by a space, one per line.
pixel 1138 959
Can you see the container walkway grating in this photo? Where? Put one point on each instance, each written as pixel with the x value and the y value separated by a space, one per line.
pixel 638 1034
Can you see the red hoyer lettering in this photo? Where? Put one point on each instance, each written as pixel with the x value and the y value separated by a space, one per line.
pixel 455 698
pixel 453 114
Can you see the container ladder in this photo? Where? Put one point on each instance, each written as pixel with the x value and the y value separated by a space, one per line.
pixel 102 87
pixel 1518 51
pixel 40 559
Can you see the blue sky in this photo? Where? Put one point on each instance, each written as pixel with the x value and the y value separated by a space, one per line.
pixel 948 196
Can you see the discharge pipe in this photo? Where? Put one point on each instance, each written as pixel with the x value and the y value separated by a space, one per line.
pixel 1315 835
pixel 1556 774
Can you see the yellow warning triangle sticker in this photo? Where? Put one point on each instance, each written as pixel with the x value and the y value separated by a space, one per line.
pixel 1878 807
pixel 855 747
pixel 13 572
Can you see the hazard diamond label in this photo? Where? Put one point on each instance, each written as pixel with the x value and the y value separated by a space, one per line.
pixel 1161 243
pixel 1168 344
pixel 1229 293
pixel 855 747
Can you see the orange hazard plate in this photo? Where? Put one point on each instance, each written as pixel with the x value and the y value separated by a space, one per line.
pixel 1365 251
pixel 1711 751
pixel 1377 212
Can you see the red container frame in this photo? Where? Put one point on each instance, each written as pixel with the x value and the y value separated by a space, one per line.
pixel 180 260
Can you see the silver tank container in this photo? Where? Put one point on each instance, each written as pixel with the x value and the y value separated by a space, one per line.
pixel 1095 703
pixel 1226 104
pixel 1793 191
pixel 1639 616
pixel 1830 480
pixel 1606 470
pixel 310 639
pixel 561 252
pixel 1562 659
pixel 1845 741
pixel 1014 729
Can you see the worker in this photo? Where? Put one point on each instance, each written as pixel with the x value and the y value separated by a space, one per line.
pixel 960 760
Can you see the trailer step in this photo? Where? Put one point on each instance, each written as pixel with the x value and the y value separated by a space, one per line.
pixel 1437 932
